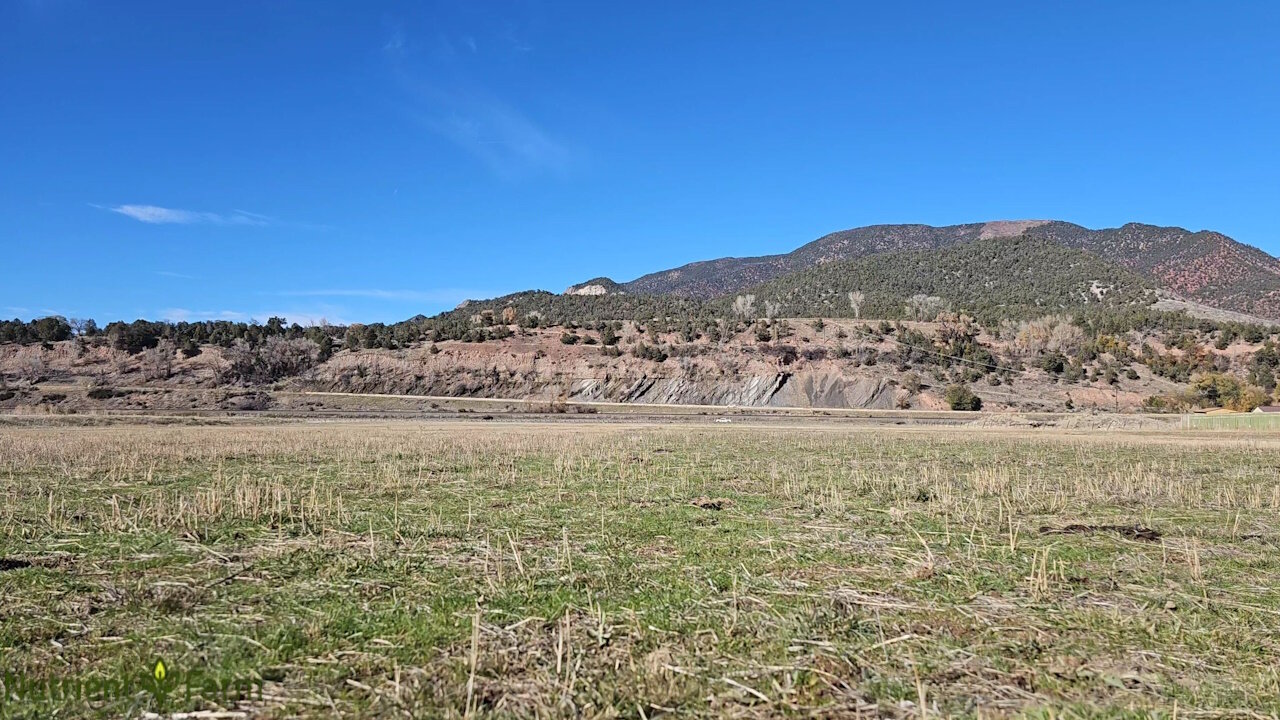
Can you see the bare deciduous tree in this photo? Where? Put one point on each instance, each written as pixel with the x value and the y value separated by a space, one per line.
pixel 275 358
pixel 79 327
pixel 31 366
pixel 744 306
pixel 1053 333
pixel 157 363
pixel 925 307
pixel 955 328
pixel 856 298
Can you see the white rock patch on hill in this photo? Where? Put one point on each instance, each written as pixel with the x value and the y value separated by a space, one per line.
pixel 586 290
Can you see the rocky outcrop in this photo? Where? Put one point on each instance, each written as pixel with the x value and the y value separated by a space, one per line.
pixel 776 389
pixel 834 390
pixel 1008 228
pixel 805 389
pixel 595 286
pixel 752 390
pixel 586 290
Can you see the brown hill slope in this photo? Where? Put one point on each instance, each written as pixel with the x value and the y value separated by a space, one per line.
pixel 1205 266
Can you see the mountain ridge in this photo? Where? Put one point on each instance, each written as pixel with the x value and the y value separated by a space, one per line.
pixel 992 278
pixel 1203 266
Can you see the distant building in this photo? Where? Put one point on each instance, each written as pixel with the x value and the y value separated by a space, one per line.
pixel 1267 409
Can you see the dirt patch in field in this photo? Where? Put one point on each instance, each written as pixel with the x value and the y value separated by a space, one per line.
pixel 1092 420
pixel 1095 420
pixel 707 503
pixel 1131 532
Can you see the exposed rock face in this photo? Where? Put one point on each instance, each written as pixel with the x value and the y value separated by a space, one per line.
pixel 594 286
pixel 750 391
pixel 1007 228
pixel 803 389
pixel 817 387
pixel 834 390
pixel 586 290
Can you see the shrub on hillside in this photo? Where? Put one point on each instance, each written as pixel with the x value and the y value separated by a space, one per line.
pixel 911 382
pixel 608 336
pixel 276 358
pixel 649 352
pixel 1227 391
pixel 1164 404
pixel 960 397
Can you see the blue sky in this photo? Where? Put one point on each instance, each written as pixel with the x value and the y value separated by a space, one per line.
pixel 369 161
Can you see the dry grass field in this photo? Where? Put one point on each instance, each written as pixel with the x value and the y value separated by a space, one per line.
pixel 457 569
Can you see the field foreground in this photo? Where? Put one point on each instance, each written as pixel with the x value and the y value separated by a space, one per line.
pixel 506 569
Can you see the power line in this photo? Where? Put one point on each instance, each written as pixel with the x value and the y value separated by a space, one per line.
pixel 957 358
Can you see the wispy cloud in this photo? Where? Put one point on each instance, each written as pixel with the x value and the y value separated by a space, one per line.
pixel 185 315
pixel 156 215
pixel 438 296
pixel 446 96
pixel 302 317
pixel 171 274
pixel 311 307
pixel 395 43
pixel 506 140
pixel 11 311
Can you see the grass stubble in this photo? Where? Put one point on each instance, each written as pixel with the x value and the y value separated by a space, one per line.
pixel 491 570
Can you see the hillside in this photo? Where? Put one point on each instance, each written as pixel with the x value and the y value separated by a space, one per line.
pixel 840 363
pixel 993 279
pixel 1207 267
pixel 595 286
pixel 1204 266
pixel 1057 329
pixel 713 278
pixel 1066 317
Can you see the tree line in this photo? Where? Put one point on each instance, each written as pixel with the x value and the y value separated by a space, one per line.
pixel 134 337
